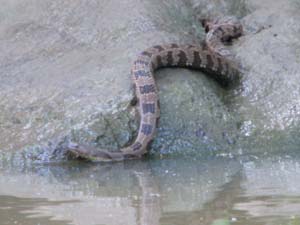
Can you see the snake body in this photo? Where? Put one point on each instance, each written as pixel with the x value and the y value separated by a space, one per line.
pixel 210 57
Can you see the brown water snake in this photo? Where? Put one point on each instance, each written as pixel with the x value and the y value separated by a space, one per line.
pixel 212 57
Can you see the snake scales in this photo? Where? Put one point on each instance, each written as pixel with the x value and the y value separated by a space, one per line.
pixel 211 57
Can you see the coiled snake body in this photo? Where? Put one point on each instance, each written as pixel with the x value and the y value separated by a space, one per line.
pixel 210 57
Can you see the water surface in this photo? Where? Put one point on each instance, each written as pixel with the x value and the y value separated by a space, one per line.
pixel 157 192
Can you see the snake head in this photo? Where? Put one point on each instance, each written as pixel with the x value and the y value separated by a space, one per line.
pixel 226 28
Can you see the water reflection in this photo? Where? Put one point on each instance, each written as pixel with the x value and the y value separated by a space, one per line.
pixel 14 210
pixel 122 193
pixel 158 192
pixel 149 205
pixel 265 191
pixel 271 191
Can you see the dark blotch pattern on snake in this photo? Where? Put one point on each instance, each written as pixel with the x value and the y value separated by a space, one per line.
pixel 211 57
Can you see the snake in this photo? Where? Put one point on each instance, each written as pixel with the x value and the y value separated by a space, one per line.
pixel 211 57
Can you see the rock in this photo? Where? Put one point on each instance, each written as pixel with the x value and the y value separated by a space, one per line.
pixel 269 97
pixel 65 75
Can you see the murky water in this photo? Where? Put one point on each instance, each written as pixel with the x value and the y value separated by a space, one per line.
pixel 165 192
